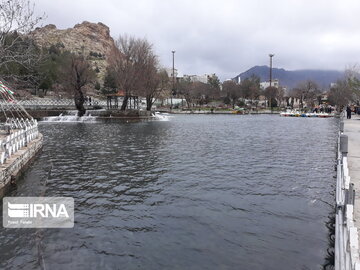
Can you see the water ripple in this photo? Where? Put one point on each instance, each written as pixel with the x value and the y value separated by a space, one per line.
pixel 196 192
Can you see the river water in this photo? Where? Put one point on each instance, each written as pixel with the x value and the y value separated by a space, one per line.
pixel 195 192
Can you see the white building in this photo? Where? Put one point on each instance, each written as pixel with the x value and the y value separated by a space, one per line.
pixel 274 83
pixel 170 72
pixel 198 78
pixel 237 79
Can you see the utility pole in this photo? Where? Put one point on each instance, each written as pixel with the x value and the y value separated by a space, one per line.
pixel 173 78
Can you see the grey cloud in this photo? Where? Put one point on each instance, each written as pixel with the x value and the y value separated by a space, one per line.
pixel 228 36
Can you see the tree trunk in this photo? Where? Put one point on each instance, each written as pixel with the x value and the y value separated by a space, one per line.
pixel 79 102
pixel 148 103
pixel 125 103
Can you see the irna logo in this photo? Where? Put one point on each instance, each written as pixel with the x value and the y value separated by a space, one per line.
pixel 38 212
pixel 33 210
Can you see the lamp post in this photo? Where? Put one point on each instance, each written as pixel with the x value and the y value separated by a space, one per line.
pixel 173 78
pixel 271 55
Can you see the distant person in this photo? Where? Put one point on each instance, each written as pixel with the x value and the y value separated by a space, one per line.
pixel 357 110
pixel 90 101
pixel 348 112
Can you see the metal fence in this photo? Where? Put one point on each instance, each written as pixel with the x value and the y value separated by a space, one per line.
pixel 25 131
pixel 56 103
pixel 346 234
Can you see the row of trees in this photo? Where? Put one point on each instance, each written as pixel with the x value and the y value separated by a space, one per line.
pixel 133 68
pixel 198 93
pixel 247 89
pixel 347 90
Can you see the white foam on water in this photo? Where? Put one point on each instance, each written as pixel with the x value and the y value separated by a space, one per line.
pixel 70 118
pixel 161 116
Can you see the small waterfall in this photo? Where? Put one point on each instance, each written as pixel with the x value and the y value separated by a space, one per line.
pixel 161 116
pixel 70 116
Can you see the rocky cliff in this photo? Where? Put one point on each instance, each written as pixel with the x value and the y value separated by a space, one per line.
pixel 93 40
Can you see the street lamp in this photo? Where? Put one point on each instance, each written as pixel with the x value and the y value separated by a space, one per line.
pixel 173 78
pixel 271 56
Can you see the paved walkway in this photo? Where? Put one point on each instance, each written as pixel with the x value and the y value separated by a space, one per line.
pixel 352 130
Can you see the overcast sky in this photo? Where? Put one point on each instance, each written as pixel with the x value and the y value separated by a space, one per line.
pixel 227 37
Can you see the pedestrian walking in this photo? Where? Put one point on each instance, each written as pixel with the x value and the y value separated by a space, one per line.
pixel 348 112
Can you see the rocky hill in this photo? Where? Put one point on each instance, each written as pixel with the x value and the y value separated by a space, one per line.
pixel 93 40
pixel 291 78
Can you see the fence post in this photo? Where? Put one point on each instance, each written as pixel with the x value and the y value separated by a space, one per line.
pixel 344 144
pixel 341 126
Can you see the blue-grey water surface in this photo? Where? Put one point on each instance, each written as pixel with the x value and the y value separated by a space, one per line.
pixel 195 192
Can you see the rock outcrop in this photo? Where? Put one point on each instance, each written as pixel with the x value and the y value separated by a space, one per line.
pixel 93 40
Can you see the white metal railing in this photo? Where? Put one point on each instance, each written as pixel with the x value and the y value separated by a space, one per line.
pixel 24 131
pixel 346 233
pixel 51 103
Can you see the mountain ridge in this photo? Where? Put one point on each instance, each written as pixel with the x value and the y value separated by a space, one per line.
pixel 291 78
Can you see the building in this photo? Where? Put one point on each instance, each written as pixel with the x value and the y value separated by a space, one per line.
pixel 274 83
pixel 197 78
pixel 169 71
pixel 333 85
pixel 236 80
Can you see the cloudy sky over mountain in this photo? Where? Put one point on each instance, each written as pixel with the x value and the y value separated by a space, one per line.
pixel 227 37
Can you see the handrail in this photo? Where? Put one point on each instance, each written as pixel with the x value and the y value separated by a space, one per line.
pixel 18 139
pixel 346 233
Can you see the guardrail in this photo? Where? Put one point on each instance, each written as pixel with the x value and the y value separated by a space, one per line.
pixel 24 132
pixel 50 103
pixel 346 234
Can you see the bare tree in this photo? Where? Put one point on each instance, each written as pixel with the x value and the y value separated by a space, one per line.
pixel 184 87
pixel 132 62
pixel 280 95
pixel 352 80
pixel 271 93
pixel 233 91
pixel 77 74
pixel 341 94
pixel 203 93
pixel 156 82
pixel 308 91
pixel 17 20
pixel 250 88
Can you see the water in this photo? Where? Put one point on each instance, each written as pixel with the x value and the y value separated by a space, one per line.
pixel 195 192
pixel 70 116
